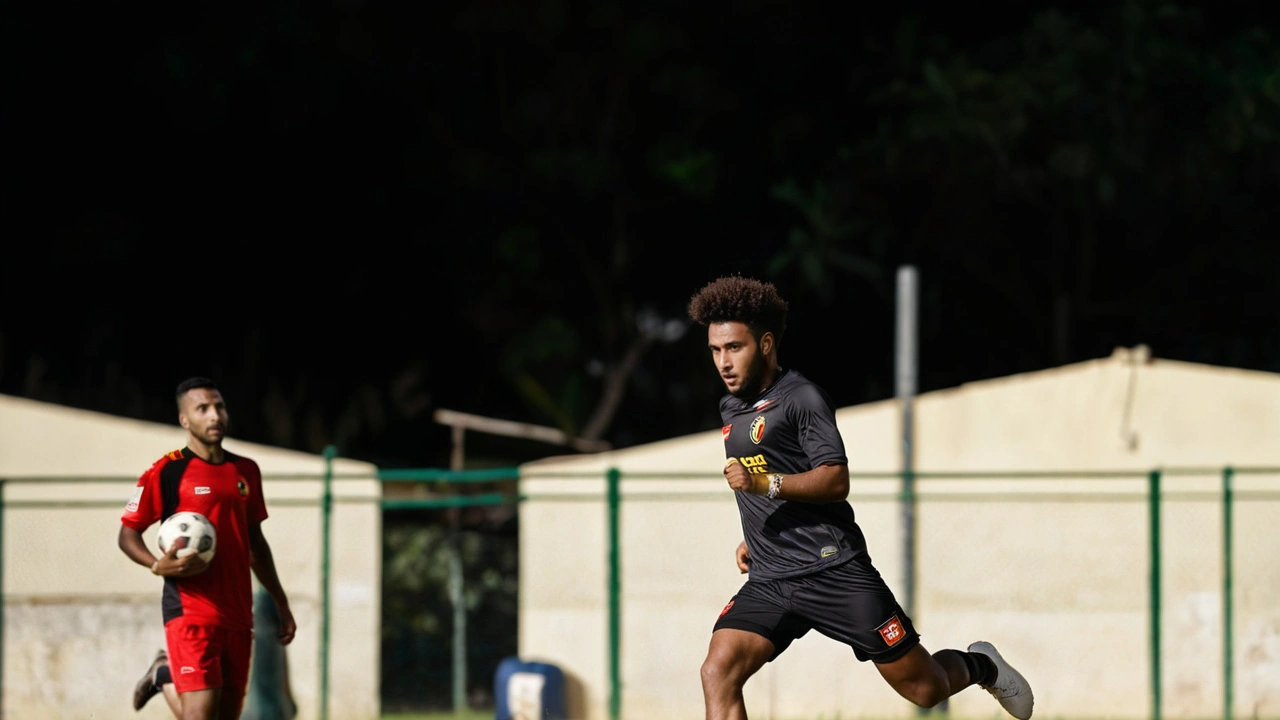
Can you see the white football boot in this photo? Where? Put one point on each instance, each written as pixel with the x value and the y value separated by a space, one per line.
pixel 1010 688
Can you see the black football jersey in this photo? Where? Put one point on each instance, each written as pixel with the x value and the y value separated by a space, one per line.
pixel 790 428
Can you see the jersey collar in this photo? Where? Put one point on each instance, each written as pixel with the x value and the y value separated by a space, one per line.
pixel 763 397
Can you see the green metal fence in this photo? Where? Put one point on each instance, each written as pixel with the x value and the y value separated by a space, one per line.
pixel 925 488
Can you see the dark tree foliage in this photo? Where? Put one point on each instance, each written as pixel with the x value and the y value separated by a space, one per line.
pixel 353 214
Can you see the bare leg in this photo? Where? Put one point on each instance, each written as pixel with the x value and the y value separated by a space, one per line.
pixel 171 696
pixel 925 679
pixel 229 706
pixel 201 704
pixel 732 658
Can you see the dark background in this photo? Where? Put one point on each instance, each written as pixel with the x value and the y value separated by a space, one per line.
pixel 354 214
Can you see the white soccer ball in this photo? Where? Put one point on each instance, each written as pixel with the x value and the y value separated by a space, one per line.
pixel 192 532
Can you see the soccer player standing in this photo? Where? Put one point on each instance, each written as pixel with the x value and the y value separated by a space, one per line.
pixel 207 607
pixel 808 560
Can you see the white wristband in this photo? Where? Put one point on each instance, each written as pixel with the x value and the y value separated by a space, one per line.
pixel 775 485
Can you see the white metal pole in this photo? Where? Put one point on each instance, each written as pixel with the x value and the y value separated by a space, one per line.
pixel 905 372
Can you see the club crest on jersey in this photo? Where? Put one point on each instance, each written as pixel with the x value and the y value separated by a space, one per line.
pixel 724 432
pixel 243 487
pixel 757 429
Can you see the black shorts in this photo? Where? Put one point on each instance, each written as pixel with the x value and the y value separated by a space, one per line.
pixel 849 603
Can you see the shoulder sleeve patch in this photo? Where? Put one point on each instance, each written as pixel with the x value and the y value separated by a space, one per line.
pixel 175 455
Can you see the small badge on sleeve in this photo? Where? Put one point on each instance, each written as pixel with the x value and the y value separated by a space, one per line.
pixel 132 505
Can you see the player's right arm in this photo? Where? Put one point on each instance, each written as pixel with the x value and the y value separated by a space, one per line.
pixel 132 544
pixel 143 510
pixel 167 565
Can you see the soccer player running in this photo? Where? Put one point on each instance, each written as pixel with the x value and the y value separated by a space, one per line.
pixel 207 607
pixel 807 558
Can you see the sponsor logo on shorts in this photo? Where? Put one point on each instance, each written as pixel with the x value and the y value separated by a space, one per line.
pixel 757 429
pixel 829 550
pixel 726 608
pixel 186 670
pixel 724 432
pixel 203 491
pixel 892 631
pixel 132 505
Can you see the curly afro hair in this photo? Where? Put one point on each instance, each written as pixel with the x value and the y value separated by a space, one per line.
pixel 735 298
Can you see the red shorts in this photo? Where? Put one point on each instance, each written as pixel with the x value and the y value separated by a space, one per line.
pixel 207 656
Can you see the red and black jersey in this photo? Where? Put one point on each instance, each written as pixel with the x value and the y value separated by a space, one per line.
pixel 230 495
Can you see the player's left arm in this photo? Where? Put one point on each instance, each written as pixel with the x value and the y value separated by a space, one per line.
pixel 264 567
pixel 823 484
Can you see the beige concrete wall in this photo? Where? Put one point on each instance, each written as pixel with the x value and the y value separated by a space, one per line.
pixel 1053 570
pixel 82 621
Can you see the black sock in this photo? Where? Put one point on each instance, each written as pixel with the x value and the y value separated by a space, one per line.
pixel 981 670
pixel 164 677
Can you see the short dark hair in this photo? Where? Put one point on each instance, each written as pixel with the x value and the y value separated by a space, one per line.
pixel 734 298
pixel 194 383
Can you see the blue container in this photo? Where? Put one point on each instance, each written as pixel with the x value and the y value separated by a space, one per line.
pixel 529 691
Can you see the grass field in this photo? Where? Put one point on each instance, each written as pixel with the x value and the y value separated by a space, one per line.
pixel 489 714
pixel 447 715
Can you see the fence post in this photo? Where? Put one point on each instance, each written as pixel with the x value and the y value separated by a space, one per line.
pixel 326 525
pixel 1228 668
pixel 909 541
pixel 2 586
pixel 615 591
pixel 1153 511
